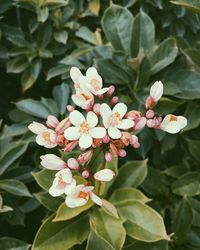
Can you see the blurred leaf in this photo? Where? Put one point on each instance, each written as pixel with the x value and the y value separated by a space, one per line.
pixel 17 65
pixel 56 71
pixel 94 6
pixel 193 146
pixel 61 96
pixel 52 235
pixel 7 243
pixel 193 5
pixel 192 113
pixel 44 36
pixel 109 208
pixel 14 187
pixel 143 34
pixel 138 245
pixel 85 34
pixel 116 24
pixel 167 106
pixel 187 185
pixel 42 14
pixel 44 178
pixel 61 36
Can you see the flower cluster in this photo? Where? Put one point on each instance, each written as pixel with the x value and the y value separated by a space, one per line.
pixel 106 125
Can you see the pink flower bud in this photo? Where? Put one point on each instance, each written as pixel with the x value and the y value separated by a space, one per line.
pixel 111 90
pixel 122 153
pixel 73 163
pixel 100 97
pixel 70 146
pixel 83 158
pixel 125 138
pixel 85 174
pixel 158 121
pixel 106 139
pixel 114 100
pixel 70 108
pixel 140 123
pixel 134 139
pixel 108 156
pixel 151 123
pixel 64 124
pixel 96 108
pixel 150 114
pixel 136 145
pixel 52 121
pixel 150 102
pixel 133 115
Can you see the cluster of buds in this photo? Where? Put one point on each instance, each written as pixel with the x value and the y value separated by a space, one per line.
pixel 106 125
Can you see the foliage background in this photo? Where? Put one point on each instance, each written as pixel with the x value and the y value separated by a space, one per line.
pixel 40 41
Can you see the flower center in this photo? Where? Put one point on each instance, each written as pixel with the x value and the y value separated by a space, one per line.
pixel 46 136
pixel 94 83
pixel 173 118
pixel 84 128
pixel 115 119
pixel 83 195
pixel 61 183
pixel 86 97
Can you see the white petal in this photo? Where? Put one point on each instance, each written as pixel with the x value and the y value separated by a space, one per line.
pixel 78 100
pixel 65 174
pixel 40 140
pixel 75 202
pixel 126 124
pixel 156 90
pixel 98 132
pixel 70 187
pixel 104 175
pixel 92 72
pixel 102 91
pixel 87 189
pixel 92 119
pixel 182 121
pixel 96 199
pixel 105 112
pixel 51 161
pixel 114 133
pixel 36 128
pixel 75 74
pixel 85 141
pixel 171 127
pixel 76 118
pixel 56 191
pixel 72 133
pixel 120 108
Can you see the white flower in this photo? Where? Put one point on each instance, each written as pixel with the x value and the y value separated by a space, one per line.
pixel 83 99
pixel 80 195
pixel 51 161
pixel 63 183
pixel 45 137
pixel 84 129
pixel 92 82
pixel 104 175
pixel 173 124
pixel 112 119
pixel 156 91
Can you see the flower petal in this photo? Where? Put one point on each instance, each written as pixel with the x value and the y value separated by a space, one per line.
pixel 85 141
pixel 40 140
pixel 98 132
pixel 182 121
pixel 105 112
pixel 126 124
pixel 92 119
pixel 51 161
pixel 104 175
pixel 70 187
pixel 172 127
pixel 56 191
pixel 120 108
pixel 75 74
pixel 72 133
pixel 114 133
pixel 73 202
pixel 96 199
pixel 66 175
pixel 102 91
pixel 36 128
pixel 76 118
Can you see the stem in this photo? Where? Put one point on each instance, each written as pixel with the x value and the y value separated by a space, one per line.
pixel 99 186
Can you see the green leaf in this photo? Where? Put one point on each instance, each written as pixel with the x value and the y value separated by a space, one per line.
pixel 143 223
pixel 182 226
pixel 193 5
pixel 51 203
pixel 33 107
pixel 61 235
pixel 188 184
pixel 44 36
pixel 124 194
pixel 42 14
pixel 116 24
pixel 167 106
pixel 192 113
pixel 44 178
pixel 142 34
pixel 138 245
pixel 11 156
pixel 66 213
pixel 14 187
pixel 61 36
pixel 57 70
pixel 109 231
pixel 17 65
pixel 164 55
pixel 61 96
pixel 7 243
pixel 131 174
pixel 85 34
pixel 109 208
pixel 194 148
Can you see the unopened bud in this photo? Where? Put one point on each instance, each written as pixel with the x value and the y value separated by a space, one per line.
pixel 122 153
pixel 125 138
pixel 133 115
pixel 85 174
pixel 64 124
pixel 150 114
pixel 110 91
pixel 150 102
pixel 134 139
pixel 83 158
pixel 73 163
pixel 70 146
pixel 140 123
pixel 108 156
pixel 52 121
pixel 151 123
pixel 100 97
pixel 70 108
pixel 96 108
pixel 114 100
pixel 136 145
pixel 106 139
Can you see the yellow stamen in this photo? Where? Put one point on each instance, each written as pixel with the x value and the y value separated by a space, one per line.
pixel 83 195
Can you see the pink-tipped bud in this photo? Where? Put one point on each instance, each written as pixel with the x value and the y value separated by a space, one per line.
pixel 134 139
pixel 150 102
pixel 133 115
pixel 73 163
pixel 52 121
pixel 108 156
pixel 110 91
pixel 136 145
pixel 150 114
pixel 106 139
pixel 140 123
pixel 151 123
pixel 158 121
pixel 85 174
pixel 122 153
pixel 64 124
pixel 70 146
pixel 96 108
pixel 83 158
pixel 70 108
pixel 114 100
pixel 100 97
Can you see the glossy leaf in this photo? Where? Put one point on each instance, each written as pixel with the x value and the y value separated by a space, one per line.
pixel 8 243
pixel 193 5
pixel 61 96
pixel 44 178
